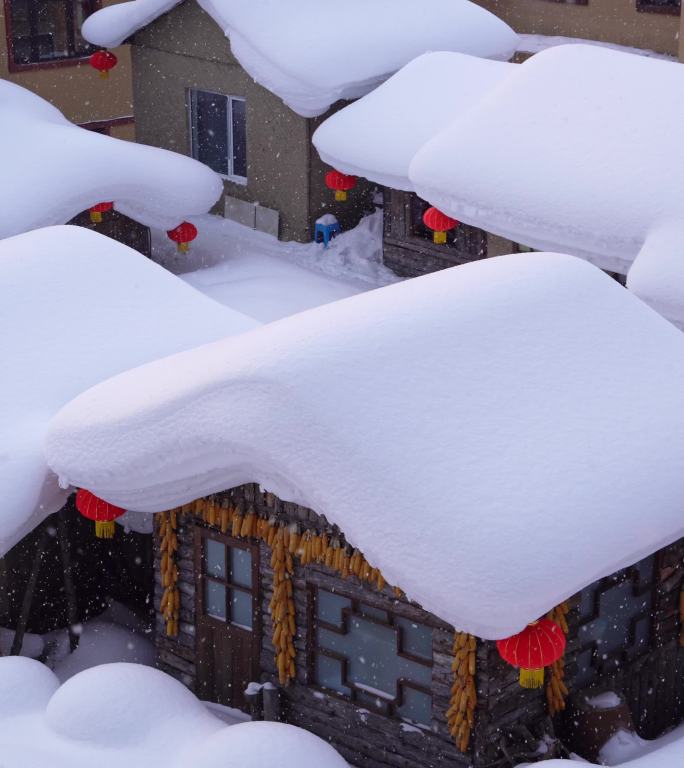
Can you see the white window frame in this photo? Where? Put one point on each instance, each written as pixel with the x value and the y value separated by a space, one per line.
pixel 192 114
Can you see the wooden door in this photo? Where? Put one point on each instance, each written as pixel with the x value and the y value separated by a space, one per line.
pixel 227 617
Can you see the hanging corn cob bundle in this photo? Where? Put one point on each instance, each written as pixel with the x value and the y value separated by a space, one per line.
pixel 170 602
pixel 461 712
pixel 556 690
pixel 282 607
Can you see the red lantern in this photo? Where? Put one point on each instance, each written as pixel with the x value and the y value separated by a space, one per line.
pixel 439 223
pixel 537 646
pixel 103 61
pixel 101 512
pixel 97 210
pixel 341 183
pixel 182 235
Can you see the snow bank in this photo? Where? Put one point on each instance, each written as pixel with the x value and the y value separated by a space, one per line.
pixel 266 278
pixel 378 135
pixel 466 429
pixel 76 308
pixel 52 170
pixel 125 714
pixel 530 43
pixel 312 54
pixel 657 273
pixel 591 172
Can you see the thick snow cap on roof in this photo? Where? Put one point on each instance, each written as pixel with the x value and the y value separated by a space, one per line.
pixel 573 151
pixel 76 308
pixel 493 437
pixel 378 135
pixel 312 53
pixel 52 170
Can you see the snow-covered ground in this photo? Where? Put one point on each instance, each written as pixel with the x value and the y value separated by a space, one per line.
pixel 267 279
pixel 130 715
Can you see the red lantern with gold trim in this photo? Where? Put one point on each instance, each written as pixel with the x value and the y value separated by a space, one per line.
pixel 182 235
pixel 537 646
pixel 97 210
pixel 103 61
pixel 101 512
pixel 439 223
pixel 341 183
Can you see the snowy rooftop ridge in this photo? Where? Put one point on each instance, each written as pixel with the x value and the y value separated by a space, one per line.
pixel 76 308
pixel 331 50
pixel 617 178
pixel 511 411
pixel 52 170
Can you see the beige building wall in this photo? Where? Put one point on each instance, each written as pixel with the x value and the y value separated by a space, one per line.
pixel 613 21
pixel 75 88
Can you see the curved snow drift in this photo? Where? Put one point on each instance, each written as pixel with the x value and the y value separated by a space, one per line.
pixel 52 170
pixel 466 430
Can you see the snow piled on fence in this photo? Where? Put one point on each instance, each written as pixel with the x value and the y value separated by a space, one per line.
pixel 126 714
pixel 378 135
pixel 77 308
pixel 53 170
pixel 312 54
pixel 573 151
pixel 493 437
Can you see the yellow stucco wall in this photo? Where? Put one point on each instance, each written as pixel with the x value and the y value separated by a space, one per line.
pixel 75 88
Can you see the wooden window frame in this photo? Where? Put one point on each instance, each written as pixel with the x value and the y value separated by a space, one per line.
pixel 203 533
pixel 192 132
pixel 313 624
pixel 645 6
pixel 68 61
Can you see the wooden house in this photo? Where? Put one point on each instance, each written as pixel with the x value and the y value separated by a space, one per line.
pixel 225 83
pixel 416 515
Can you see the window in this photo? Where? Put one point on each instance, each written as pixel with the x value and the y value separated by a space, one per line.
pixel 229 583
pixel 372 657
pixel 659 6
pixel 219 133
pixel 615 621
pixel 469 241
pixel 46 31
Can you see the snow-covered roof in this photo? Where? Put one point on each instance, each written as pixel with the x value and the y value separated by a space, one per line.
pixel 378 135
pixel 128 714
pixel 493 436
pixel 52 170
pixel 575 150
pixel 311 54
pixel 76 308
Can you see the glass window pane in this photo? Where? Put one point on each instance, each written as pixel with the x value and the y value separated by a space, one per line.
pixel 46 30
pixel 210 144
pixel 241 609
pixel 329 674
pixel 329 607
pixel 215 553
pixel 417 706
pixel 239 121
pixel 215 600
pixel 241 567
pixel 372 655
pixel 416 639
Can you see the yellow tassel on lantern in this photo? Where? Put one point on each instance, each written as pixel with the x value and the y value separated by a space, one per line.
pixel 340 195
pixel 183 247
pixel 104 530
pixel 104 74
pixel 439 238
pixel 95 217
pixel 531 678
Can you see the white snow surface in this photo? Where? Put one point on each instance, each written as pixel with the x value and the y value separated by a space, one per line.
pixel 77 308
pixel 591 172
pixel 377 136
pixel 466 429
pixel 532 43
pixel 657 273
pixel 311 54
pixel 266 278
pixel 132 715
pixel 52 170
